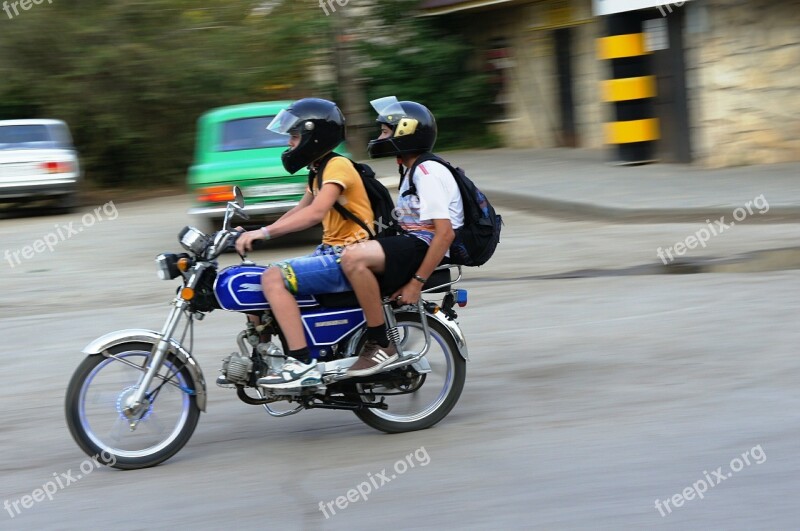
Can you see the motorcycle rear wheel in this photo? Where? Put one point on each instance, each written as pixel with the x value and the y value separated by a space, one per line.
pixel 95 420
pixel 437 391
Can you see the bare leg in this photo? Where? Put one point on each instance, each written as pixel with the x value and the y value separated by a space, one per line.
pixel 284 307
pixel 360 263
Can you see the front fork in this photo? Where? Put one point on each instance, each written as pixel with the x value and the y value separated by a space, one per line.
pixel 179 305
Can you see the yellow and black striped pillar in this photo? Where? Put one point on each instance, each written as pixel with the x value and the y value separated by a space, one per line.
pixel 631 89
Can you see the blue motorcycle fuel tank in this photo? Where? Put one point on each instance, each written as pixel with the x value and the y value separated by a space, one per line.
pixel 238 289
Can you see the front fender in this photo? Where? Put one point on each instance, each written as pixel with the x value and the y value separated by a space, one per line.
pixel 138 335
pixel 455 330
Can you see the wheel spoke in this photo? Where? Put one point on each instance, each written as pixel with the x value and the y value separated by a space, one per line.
pixel 109 388
pixel 427 398
pixel 120 428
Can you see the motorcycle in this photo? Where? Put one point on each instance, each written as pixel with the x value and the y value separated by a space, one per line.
pixel 136 398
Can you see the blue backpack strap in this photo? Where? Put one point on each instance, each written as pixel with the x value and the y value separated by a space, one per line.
pixel 344 212
pixel 424 157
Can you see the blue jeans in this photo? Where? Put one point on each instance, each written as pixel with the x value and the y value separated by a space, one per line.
pixel 318 272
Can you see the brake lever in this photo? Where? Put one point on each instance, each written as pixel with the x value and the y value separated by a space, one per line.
pixel 231 245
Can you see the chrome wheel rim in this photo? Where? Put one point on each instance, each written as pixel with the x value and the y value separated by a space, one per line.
pixel 105 425
pixel 436 387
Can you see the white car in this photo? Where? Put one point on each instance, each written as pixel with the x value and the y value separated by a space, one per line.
pixel 38 163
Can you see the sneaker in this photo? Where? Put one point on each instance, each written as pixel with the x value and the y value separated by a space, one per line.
pixel 373 359
pixel 293 374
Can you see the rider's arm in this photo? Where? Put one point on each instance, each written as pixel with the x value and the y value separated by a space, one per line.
pixel 435 198
pixel 440 244
pixel 309 215
pixel 304 202
pixel 444 236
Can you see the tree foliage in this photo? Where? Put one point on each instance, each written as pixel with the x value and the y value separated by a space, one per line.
pixel 131 77
pixel 416 60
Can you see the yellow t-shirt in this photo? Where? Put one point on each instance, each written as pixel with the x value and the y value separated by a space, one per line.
pixel 336 229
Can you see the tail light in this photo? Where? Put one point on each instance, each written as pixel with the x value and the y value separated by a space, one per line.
pixel 215 194
pixel 57 167
pixel 461 297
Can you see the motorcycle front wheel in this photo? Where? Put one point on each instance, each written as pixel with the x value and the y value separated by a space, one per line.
pixel 94 408
pixel 430 396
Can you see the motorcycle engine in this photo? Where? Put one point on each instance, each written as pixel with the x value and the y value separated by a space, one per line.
pixel 237 368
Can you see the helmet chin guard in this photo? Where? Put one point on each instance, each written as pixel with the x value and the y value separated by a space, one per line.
pixel 320 125
pixel 413 125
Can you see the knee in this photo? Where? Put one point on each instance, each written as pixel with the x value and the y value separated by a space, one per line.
pixel 351 261
pixel 272 279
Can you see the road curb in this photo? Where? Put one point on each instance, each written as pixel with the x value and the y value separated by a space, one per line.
pixel 573 210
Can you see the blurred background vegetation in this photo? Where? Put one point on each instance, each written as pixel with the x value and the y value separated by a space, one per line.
pixel 132 77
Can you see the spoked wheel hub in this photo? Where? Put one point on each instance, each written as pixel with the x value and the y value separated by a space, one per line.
pixel 130 412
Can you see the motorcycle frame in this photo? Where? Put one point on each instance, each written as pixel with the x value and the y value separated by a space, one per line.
pixel 163 342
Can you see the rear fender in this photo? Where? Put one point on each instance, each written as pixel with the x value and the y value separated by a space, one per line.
pixel 455 332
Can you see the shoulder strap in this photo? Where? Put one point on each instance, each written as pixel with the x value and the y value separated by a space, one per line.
pixel 344 212
pixel 352 217
pixel 469 209
pixel 317 173
pixel 412 188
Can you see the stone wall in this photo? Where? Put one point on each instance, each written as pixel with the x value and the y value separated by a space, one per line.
pixel 743 62
pixel 532 118
pixel 591 112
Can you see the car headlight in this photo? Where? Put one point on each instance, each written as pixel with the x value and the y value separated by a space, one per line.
pixel 193 240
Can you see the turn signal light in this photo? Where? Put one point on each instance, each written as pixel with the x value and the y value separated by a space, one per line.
pixel 184 264
pixel 215 194
pixel 187 294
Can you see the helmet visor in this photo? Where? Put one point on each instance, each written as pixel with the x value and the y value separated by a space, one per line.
pixel 388 107
pixel 283 122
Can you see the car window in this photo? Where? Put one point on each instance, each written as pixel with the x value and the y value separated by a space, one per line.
pixel 33 136
pixel 249 133
pixel 60 135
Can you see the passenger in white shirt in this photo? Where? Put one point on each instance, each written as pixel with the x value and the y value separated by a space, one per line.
pixel 430 209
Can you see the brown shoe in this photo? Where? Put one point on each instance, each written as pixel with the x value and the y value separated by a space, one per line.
pixel 372 359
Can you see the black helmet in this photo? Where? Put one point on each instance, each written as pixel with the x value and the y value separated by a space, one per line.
pixel 320 125
pixel 413 124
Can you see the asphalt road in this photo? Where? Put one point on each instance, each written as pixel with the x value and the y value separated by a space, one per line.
pixel 587 399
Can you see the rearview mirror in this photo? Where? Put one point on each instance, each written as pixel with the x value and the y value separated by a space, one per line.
pixel 238 197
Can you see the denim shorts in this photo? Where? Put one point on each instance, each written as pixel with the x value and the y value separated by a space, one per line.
pixel 318 272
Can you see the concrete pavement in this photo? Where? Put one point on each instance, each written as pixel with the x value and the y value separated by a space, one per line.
pixel 581 184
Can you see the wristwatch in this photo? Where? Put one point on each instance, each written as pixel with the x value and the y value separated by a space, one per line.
pixel 418 278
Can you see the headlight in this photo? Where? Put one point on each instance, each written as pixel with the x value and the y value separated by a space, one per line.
pixel 167 266
pixel 193 240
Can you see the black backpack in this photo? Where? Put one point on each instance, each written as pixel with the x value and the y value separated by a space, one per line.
pixel 379 199
pixel 477 239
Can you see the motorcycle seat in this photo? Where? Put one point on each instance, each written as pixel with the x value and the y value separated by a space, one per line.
pixel 347 299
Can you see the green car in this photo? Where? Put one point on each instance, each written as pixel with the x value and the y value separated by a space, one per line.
pixel 234 147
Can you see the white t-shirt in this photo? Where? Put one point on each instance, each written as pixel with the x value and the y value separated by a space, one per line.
pixel 437 198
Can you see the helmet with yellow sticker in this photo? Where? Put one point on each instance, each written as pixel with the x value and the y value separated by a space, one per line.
pixel 413 128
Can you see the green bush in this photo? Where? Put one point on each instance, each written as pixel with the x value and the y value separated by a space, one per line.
pixel 430 67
